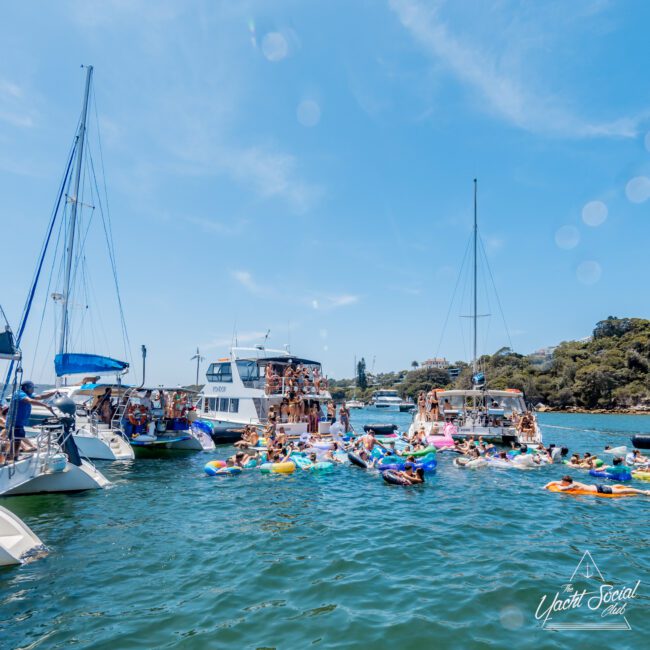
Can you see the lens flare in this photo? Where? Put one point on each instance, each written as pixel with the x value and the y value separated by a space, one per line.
pixel 594 213
pixel 567 237
pixel 588 272
pixel 275 47
pixel 638 189
pixel 308 112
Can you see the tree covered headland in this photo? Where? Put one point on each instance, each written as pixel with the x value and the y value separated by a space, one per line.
pixel 609 371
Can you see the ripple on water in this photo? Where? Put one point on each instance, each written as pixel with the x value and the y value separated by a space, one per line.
pixel 170 558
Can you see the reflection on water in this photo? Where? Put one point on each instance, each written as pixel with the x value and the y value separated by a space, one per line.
pixel 172 558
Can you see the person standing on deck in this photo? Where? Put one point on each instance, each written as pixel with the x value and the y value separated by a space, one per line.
pixel 21 410
pixel 344 415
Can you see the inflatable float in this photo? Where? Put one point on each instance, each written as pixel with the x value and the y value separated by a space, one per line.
pixel 393 478
pixel 469 463
pixel 380 428
pixel 641 440
pixel 355 460
pixel 575 492
pixel 641 474
pixel 611 476
pixel 278 468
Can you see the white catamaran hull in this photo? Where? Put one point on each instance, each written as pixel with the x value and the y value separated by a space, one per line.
pixel 103 445
pixel 16 539
pixel 31 475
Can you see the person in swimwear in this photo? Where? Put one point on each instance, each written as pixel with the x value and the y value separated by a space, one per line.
pixel 566 484
pixel 412 475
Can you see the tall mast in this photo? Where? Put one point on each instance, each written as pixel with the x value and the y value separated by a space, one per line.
pixel 74 200
pixel 475 314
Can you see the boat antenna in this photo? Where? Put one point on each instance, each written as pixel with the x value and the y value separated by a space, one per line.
pixel 474 314
pixel 74 200
pixel 266 337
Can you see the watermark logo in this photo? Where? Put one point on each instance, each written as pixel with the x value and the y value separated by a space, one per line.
pixel 587 601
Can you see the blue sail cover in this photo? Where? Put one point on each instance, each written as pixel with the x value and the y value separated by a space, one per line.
pixel 75 364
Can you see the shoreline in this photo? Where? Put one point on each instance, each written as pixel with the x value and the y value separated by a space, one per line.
pixel 576 410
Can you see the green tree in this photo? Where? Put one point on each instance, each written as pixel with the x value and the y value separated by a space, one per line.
pixel 362 380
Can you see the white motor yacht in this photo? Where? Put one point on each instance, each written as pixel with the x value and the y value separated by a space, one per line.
pixel 386 399
pixel 241 389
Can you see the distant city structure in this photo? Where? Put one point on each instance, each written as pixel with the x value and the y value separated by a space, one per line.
pixel 436 362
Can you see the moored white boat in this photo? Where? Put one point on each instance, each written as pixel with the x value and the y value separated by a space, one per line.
pixel 159 419
pixel 489 414
pixel 386 399
pixel 243 388
pixel 48 469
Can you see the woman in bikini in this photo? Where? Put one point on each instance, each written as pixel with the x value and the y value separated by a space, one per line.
pixel 422 407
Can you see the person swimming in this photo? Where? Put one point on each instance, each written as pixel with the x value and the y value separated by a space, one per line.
pixel 566 484
pixel 411 474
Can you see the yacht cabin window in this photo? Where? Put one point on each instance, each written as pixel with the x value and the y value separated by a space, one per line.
pixel 220 372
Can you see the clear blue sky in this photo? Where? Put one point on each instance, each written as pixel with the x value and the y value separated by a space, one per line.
pixel 276 165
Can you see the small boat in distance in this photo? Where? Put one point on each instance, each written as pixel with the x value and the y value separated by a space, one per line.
pixel 355 404
pixel 386 398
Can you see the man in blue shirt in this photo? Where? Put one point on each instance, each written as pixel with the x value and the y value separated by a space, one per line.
pixel 21 409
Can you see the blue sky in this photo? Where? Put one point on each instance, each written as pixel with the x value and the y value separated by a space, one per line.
pixel 307 168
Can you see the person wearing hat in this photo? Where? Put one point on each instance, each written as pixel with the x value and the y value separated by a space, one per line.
pixel 21 410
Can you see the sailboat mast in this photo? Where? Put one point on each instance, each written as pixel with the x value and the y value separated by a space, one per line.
pixel 475 313
pixel 73 215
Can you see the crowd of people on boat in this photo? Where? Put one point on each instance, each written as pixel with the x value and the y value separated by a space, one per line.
pixel 302 379
pixel 157 405
pixel 432 409
pixel 297 408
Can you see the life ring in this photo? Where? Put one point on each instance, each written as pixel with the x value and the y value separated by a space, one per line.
pixel 137 417
pixel 641 474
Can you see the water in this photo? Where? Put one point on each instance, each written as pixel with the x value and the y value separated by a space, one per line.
pixel 170 558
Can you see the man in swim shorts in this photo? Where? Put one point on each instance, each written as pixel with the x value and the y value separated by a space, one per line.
pixel 566 484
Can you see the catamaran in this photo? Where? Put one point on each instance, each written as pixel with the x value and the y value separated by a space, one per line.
pixel 495 415
pixel 242 389
pixel 54 464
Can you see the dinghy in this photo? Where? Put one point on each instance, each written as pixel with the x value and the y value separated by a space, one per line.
pixel 16 539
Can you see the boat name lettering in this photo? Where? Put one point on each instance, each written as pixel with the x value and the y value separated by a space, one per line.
pixel 218 389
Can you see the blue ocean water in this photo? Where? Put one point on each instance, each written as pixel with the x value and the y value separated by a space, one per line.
pixel 170 558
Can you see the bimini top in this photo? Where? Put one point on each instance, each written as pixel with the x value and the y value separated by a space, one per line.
pixel 76 364
pixel 260 353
